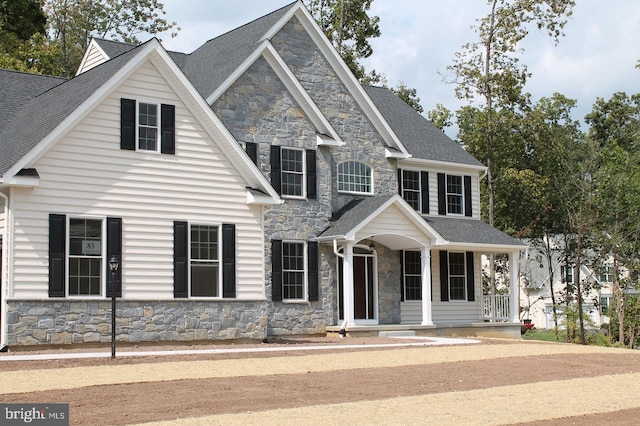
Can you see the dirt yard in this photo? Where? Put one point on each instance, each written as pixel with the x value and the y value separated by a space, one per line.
pixel 492 382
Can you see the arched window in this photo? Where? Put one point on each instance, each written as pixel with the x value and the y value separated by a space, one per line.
pixel 354 176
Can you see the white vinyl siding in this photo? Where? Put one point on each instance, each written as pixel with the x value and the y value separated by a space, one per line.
pixel 94 58
pixel 87 173
pixel 392 221
pixel 455 312
pixel 475 190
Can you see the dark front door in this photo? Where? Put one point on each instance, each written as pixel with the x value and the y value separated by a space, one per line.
pixel 363 288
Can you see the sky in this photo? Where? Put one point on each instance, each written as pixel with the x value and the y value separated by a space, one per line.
pixel 419 38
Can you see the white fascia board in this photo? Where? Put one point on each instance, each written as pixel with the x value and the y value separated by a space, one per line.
pixel 214 127
pixel 268 52
pixel 339 66
pixel 348 79
pixel 235 75
pixel 301 96
pixel 84 109
pixel 388 153
pixel 263 199
pixel 485 248
pixel 414 216
pixel 21 181
pixel 421 164
pixel 95 45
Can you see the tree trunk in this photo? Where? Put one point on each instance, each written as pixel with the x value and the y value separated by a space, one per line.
pixel 551 289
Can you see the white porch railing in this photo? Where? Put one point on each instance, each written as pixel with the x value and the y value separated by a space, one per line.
pixel 496 308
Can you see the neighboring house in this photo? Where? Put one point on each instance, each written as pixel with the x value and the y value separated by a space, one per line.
pixel 535 289
pixel 251 188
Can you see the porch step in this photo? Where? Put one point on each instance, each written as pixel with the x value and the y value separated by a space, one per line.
pixel 397 333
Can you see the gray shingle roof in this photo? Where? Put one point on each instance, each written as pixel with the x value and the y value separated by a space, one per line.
pixel 42 113
pixel 221 56
pixel 421 138
pixel 351 215
pixel 116 48
pixel 17 88
pixel 470 231
pixel 113 48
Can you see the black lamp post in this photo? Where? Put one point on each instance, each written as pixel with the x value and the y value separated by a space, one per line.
pixel 114 264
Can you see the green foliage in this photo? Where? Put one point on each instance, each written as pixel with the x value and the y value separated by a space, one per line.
pixel 22 18
pixel 440 117
pixel 349 27
pixel 409 96
pixel 72 23
pixel 37 55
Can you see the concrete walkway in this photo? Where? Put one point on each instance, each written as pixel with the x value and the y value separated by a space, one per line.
pixel 420 341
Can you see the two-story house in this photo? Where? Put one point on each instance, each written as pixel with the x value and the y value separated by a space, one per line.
pixel 251 188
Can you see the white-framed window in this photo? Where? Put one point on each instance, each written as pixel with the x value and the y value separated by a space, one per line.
pixel 148 126
pixel 292 161
pixel 566 274
pixel 455 191
pixel 411 188
pixel 606 274
pixel 412 268
pixel 293 270
pixel 604 305
pixel 354 177
pixel 204 261
pixel 85 257
pixel 457 276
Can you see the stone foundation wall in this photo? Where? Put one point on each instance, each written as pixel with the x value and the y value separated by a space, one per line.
pixel 72 322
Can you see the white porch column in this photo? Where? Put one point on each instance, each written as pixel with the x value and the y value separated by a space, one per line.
pixel 426 286
pixel 347 284
pixel 514 286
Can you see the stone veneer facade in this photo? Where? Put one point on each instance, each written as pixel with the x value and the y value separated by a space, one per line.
pixel 256 108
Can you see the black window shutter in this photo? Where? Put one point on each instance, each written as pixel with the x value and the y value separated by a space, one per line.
pixel 180 259
pixel 114 248
pixel 276 169
pixel 442 194
pixel 444 276
pixel 228 260
pixel 424 191
pixel 401 252
pixel 311 174
pixel 127 124
pixel 312 273
pixel 467 196
pixel 400 186
pixel 276 271
pixel 57 243
pixel 471 293
pixel 251 149
pixel 168 129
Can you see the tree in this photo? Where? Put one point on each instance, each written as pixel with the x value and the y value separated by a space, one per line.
pixel 489 69
pixel 22 18
pixel 408 95
pixel 348 26
pixel 73 22
pixel 615 128
pixel 24 45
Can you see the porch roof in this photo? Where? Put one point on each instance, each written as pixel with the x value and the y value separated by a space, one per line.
pixel 473 233
pixel 388 218
pixel 391 221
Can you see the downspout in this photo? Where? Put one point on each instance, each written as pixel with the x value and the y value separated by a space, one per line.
pixel 4 281
pixel 343 327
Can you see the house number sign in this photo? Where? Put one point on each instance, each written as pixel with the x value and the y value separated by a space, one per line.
pixel 91 247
